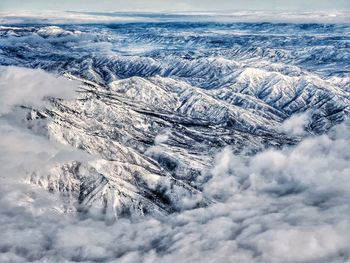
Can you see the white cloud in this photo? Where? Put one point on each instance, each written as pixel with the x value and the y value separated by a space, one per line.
pixel 162 137
pixel 296 124
pixel 61 17
pixel 146 5
pixel 287 205
pixel 21 150
pixel 29 87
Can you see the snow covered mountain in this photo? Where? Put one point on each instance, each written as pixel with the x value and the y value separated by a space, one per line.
pixel 157 101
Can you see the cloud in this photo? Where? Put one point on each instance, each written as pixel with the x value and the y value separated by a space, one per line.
pixel 146 5
pixel 23 150
pixel 61 17
pixel 285 205
pixel 162 137
pixel 296 124
pixel 29 87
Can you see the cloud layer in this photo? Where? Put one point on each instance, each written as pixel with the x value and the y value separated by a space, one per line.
pixel 287 205
pixel 28 87
pixel 153 5
pixel 61 17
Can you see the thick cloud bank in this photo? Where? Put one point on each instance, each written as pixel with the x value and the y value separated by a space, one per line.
pixel 289 205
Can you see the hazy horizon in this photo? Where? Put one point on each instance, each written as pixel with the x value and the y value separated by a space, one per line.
pixel 181 5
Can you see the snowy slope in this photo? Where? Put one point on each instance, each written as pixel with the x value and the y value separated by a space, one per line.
pixel 157 101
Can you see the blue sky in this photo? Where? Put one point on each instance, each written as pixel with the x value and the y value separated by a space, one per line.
pixel 177 5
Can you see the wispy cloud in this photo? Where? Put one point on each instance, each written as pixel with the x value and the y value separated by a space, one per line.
pixel 28 87
pixel 61 17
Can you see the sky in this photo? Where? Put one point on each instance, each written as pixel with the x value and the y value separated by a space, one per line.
pixel 169 5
